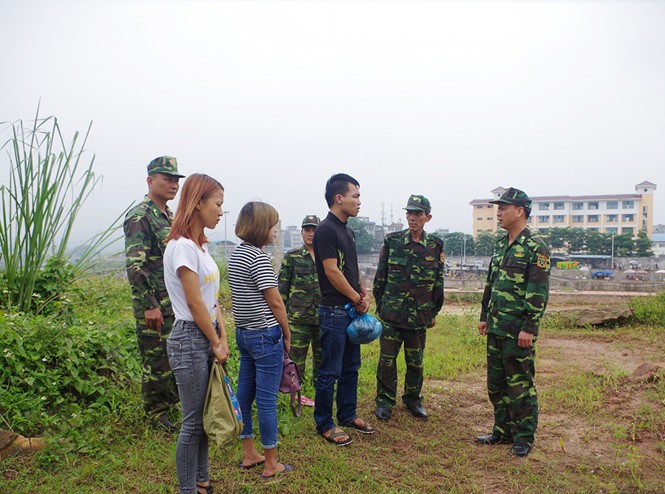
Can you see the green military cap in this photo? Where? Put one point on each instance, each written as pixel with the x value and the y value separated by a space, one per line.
pixel 310 220
pixel 164 164
pixel 516 197
pixel 418 203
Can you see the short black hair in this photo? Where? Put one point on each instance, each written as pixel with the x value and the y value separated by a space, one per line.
pixel 338 184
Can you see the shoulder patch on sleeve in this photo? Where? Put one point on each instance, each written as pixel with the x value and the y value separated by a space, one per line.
pixel 543 262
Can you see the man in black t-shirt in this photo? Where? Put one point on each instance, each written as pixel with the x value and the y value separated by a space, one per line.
pixel 341 284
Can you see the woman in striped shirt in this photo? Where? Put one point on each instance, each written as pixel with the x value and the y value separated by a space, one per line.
pixel 262 333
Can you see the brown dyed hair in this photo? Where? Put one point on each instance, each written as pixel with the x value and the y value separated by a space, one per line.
pixel 197 188
pixel 255 221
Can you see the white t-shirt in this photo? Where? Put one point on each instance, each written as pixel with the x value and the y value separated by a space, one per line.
pixel 184 252
pixel 250 272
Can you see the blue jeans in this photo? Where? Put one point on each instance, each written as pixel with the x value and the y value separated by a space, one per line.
pixel 189 356
pixel 261 357
pixel 340 364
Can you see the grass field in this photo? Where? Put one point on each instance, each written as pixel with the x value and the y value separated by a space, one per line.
pixel 602 429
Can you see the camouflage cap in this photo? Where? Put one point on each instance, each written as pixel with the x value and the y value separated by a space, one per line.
pixel 310 220
pixel 418 203
pixel 164 164
pixel 515 197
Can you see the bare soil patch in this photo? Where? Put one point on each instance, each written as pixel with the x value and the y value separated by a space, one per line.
pixel 601 448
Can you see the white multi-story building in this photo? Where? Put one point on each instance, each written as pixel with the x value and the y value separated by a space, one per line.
pixel 609 213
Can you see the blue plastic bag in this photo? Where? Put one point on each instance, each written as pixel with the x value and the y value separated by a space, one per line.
pixel 364 328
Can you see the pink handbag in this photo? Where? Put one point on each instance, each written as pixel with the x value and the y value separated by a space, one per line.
pixel 290 384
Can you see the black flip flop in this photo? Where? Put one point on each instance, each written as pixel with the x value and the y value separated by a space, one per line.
pixel 331 437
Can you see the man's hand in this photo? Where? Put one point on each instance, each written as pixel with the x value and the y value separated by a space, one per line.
pixel 154 319
pixel 524 339
pixel 433 322
pixel 363 306
pixel 482 328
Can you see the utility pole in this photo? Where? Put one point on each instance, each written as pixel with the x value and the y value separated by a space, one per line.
pixel 225 237
pixel 612 253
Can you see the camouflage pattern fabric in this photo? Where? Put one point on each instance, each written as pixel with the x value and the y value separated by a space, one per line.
pixel 299 287
pixel 146 229
pixel 408 286
pixel 408 289
pixel 301 337
pixel 158 385
pixel 515 298
pixel 511 388
pixel 517 286
pixel 386 374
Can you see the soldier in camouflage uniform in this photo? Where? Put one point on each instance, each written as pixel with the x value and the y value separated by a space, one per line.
pixel 513 304
pixel 408 288
pixel 299 287
pixel 146 227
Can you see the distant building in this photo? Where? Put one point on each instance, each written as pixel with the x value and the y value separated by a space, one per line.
pixel 609 213
pixel 658 244
pixel 292 237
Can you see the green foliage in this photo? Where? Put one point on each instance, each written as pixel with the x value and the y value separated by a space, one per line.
pixel 649 310
pixel 365 241
pixel 643 245
pixel 60 378
pixel 484 243
pixel 583 241
pixel 457 244
pixel 48 185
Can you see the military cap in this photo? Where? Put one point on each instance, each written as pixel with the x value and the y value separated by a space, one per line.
pixel 515 197
pixel 418 203
pixel 310 220
pixel 164 164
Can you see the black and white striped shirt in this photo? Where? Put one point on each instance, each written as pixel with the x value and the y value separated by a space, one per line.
pixel 250 272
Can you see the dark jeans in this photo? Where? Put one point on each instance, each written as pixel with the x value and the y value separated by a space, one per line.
pixel 340 364
pixel 189 356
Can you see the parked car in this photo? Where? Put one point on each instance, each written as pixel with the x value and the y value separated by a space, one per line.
pixel 606 274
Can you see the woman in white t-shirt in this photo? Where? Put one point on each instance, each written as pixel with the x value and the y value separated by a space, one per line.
pixel 192 280
pixel 262 334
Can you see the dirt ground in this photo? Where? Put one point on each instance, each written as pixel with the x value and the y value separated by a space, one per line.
pixel 613 448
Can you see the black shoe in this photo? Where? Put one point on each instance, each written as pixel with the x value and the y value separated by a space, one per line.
pixel 383 413
pixel 418 411
pixel 520 448
pixel 492 439
pixel 163 423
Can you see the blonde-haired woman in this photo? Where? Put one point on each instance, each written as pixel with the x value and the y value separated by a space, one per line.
pixel 192 280
pixel 262 334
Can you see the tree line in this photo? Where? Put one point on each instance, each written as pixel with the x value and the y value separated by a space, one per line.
pixel 571 240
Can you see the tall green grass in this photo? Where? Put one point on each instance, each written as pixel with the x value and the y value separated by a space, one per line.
pixel 49 182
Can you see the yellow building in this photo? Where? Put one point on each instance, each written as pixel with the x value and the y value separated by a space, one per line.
pixel 609 213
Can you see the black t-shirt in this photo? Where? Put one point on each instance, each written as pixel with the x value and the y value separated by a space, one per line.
pixel 333 239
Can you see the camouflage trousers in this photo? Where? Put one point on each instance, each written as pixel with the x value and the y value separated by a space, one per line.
pixel 386 373
pixel 158 386
pixel 301 337
pixel 511 388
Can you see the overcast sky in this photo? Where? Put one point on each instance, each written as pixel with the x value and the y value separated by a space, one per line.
pixel 446 99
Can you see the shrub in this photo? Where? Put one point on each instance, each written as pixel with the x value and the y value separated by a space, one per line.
pixel 649 310
pixel 59 377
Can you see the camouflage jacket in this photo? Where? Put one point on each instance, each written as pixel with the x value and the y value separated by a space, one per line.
pixel 299 287
pixel 517 286
pixel 146 229
pixel 408 286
